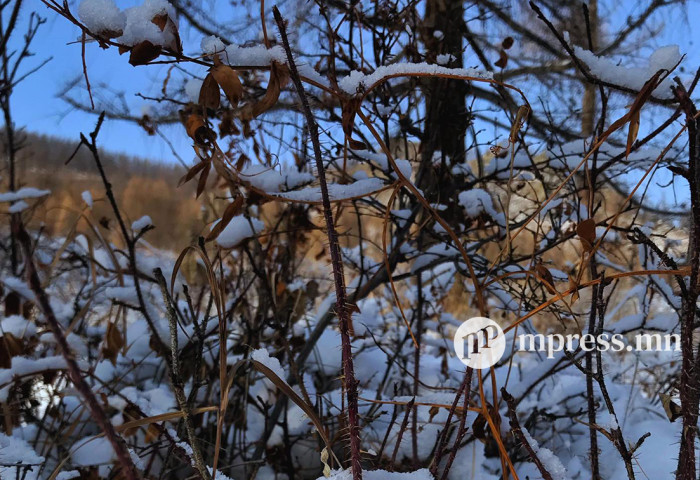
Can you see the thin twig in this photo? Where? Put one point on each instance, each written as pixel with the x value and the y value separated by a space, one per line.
pixel 177 379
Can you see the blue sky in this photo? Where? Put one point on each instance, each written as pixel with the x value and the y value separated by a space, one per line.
pixel 36 106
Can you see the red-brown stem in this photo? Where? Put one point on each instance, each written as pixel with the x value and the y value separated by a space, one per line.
pixel 96 411
pixel 689 369
pixel 336 259
pixel 518 431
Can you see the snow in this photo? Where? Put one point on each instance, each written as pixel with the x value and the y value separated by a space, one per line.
pixel 270 180
pixel 18 207
pixel 92 451
pixel 382 161
pixel 359 82
pixel 477 201
pixel 444 58
pixel 550 461
pixel 154 401
pixel 23 193
pixel 236 55
pixel 87 198
pixel 261 355
pixel 255 56
pixel 664 58
pixel 13 451
pixel 192 88
pixel 138 463
pixel 18 326
pixel 23 366
pixel 336 191
pixel 17 285
pixel 212 44
pixel 422 474
pixel 139 25
pixel 68 475
pixel 122 294
pixel 101 16
pixel 238 229
pixel 142 223
pixel 219 475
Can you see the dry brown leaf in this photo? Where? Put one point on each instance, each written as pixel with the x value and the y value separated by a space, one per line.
pixel 546 275
pixel 633 131
pixel 202 183
pixel 209 95
pixel 278 79
pixel 635 108
pixel 143 52
pixel 114 341
pixel 672 409
pixel 350 108
pixel 228 80
pixel 198 130
pixel 294 397
pixel 10 346
pixel 280 288
pixel 192 172
pixel 160 21
pixel 573 285
pixel 232 209
pixel 586 233
pixel 502 59
pixel 163 22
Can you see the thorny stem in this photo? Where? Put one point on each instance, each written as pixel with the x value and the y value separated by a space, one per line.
pixel 518 431
pixel 443 437
pixel 590 392
pixel 96 411
pixel 462 429
pixel 336 260
pixel 688 390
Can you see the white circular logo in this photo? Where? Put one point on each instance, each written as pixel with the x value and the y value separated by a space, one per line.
pixel 479 343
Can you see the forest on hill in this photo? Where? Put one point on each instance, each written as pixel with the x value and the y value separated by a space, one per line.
pixel 142 187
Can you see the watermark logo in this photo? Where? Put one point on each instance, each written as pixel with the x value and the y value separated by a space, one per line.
pixel 479 343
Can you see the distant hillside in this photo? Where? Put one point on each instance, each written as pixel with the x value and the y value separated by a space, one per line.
pixel 142 187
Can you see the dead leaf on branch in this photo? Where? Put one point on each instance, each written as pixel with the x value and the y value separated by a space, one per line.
pixel 165 23
pixel 546 275
pixel 350 109
pixel 573 286
pixel 209 95
pixel 633 115
pixel 198 130
pixel 502 59
pixel 279 76
pixel 231 211
pixel 10 346
pixel 586 233
pixel 228 80
pixel 113 343
pixel 202 183
pixel 144 52
pixel 192 172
